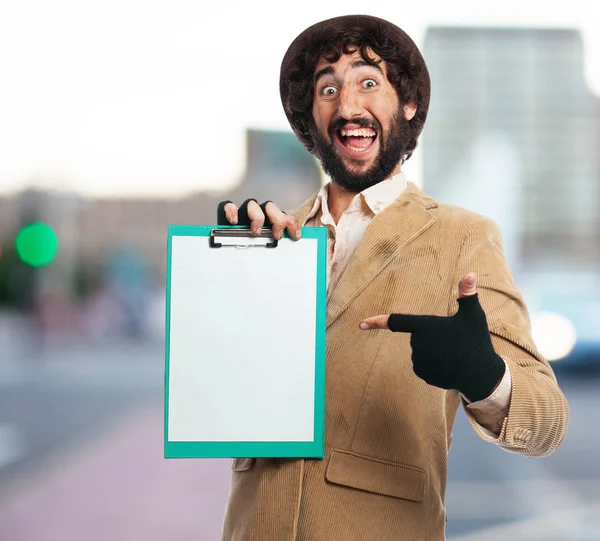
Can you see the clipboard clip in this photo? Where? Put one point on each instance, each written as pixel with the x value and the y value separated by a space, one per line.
pixel 241 238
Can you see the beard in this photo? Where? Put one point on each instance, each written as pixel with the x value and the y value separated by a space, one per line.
pixel 392 148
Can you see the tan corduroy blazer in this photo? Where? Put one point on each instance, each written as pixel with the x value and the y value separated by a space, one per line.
pixel 387 432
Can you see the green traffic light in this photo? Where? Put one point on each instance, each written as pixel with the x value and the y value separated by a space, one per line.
pixel 37 244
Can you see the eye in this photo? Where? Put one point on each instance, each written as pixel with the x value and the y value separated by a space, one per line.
pixel 328 90
pixel 369 83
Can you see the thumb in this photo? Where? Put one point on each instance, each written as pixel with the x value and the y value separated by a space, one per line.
pixel 467 285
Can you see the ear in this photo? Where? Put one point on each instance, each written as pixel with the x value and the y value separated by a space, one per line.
pixel 410 110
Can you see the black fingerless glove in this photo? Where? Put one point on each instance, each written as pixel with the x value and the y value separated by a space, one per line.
pixel 454 352
pixel 221 217
pixel 243 218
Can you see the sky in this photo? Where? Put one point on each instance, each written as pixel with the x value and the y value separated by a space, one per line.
pixel 146 98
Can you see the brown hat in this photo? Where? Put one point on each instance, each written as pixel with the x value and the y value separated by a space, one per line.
pixel 406 67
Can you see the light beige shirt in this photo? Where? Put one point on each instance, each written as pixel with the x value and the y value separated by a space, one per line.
pixel 342 240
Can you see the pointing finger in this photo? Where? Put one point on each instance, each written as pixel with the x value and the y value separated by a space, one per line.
pixel 405 322
pixel 411 323
pixel 400 322
pixel 375 322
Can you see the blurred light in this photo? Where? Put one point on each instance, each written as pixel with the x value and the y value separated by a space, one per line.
pixel 37 244
pixel 554 335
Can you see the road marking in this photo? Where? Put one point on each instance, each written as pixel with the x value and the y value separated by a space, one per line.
pixel 11 445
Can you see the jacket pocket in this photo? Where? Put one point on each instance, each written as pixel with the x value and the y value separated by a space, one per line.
pixel 375 475
pixel 242 464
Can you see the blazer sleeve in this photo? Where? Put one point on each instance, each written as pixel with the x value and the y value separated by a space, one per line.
pixel 538 413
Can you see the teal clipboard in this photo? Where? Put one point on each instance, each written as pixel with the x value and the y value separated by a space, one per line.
pixel 245 343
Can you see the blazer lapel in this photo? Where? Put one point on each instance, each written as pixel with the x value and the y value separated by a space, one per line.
pixel 304 209
pixel 388 233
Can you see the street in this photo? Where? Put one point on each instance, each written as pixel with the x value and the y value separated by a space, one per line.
pixel 81 435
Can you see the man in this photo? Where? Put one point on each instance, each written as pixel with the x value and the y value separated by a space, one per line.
pixel 356 92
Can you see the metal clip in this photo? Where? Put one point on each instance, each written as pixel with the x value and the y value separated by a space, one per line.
pixel 241 238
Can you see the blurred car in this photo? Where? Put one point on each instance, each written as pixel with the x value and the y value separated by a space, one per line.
pixel 565 318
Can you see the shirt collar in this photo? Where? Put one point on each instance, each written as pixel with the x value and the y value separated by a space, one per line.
pixel 382 195
pixel 377 197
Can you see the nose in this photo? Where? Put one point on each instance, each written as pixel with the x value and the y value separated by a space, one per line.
pixel 350 104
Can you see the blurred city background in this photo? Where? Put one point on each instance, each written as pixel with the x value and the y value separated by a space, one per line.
pixel 116 122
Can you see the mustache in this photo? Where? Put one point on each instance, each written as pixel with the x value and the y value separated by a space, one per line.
pixel 361 122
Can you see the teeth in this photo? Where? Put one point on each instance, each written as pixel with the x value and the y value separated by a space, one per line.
pixel 358 133
pixel 356 149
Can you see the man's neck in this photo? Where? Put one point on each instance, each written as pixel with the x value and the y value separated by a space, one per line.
pixel 339 199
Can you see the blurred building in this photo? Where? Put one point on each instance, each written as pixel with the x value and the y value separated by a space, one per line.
pixel 279 168
pixel 92 232
pixel 8 217
pixel 513 133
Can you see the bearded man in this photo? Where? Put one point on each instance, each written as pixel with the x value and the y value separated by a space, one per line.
pixel 356 92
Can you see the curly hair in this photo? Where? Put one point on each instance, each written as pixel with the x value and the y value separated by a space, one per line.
pixel 330 39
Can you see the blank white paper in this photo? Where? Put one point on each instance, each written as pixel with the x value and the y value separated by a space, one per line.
pixel 242 342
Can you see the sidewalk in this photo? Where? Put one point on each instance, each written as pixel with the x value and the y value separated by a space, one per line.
pixel 569 525
pixel 119 488
pixel 110 362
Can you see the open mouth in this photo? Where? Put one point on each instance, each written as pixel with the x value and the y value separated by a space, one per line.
pixel 357 140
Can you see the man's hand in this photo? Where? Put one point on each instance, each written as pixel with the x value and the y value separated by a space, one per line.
pixel 451 352
pixel 256 216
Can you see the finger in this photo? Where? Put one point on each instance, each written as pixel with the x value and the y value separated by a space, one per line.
pixel 411 323
pixel 263 207
pixel 243 218
pixel 467 286
pixel 374 322
pixel 256 216
pixel 276 217
pixel 227 213
pixel 293 227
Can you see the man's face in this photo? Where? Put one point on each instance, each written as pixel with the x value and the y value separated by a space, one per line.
pixel 359 136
